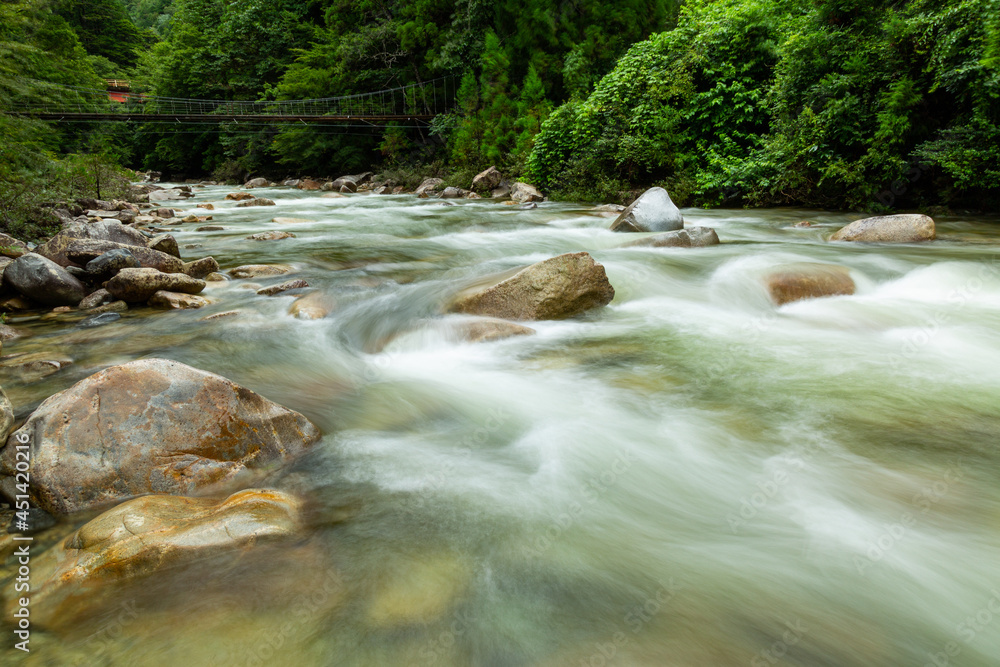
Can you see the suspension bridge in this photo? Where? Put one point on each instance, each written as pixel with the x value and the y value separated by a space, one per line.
pixel 415 103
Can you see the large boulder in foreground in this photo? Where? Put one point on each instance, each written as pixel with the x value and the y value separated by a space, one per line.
pixel 555 289
pixel 42 280
pixel 907 228
pixel 146 538
pixel 106 230
pixel 151 426
pixel 692 237
pixel 653 211
pixel 135 285
pixel 794 282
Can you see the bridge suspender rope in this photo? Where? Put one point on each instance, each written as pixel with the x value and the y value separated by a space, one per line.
pixel 118 103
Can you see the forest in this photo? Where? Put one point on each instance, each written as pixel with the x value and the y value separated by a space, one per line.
pixel 840 104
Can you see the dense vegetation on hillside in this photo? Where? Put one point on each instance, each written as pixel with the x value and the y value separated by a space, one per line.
pixel 834 103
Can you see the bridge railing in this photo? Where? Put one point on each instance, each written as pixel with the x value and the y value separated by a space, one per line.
pixel 423 99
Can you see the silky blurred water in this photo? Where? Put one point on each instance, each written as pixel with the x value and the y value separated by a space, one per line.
pixel 689 476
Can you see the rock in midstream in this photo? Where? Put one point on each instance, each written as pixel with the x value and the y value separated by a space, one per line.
pixel 905 228
pixel 653 211
pixel 555 289
pixel 151 426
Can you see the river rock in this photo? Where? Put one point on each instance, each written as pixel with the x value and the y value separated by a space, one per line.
pixel 170 195
pixel 152 426
pixel 201 267
pixel 95 299
pixel 259 201
pixel 176 300
pixel 485 181
pixel 523 193
pixel 255 183
pixel 100 319
pixel 165 213
pixel 283 287
pixel 905 228
pixel 210 228
pixel 113 307
pixel 207 206
pixel 794 282
pixel 239 196
pixel 259 270
pixel 4 263
pixel 147 538
pixel 555 289
pixel 137 285
pixel 309 184
pixel 40 279
pixel 692 237
pixel 165 243
pixel 313 306
pixel 428 185
pixel 106 265
pixel 653 211
pixel 452 193
pixel 485 329
pixel 219 316
pixel 14 303
pixel 6 416
pixel 8 332
pixel 11 247
pixel 57 247
pixel 271 236
pixel 28 368
pixel 216 277
pixel 84 251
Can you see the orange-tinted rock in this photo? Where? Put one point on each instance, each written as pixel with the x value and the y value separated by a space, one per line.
pixel 146 537
pixel 152 426
pixel 795 282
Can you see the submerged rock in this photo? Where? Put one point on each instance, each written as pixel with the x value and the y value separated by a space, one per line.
pixel 795 282
pixel 176 300
pixel 146 537
pixel 313 306
pixel 259 201
pixel 909 228
pixel 239 196
pixel 152 426
pixel 283 287
pixel 259 270
pixel 99 320
pixel 40 279
pixel 653 211
pixel 135 285
pixel 692 237
pixel 271 236
pixel 555 289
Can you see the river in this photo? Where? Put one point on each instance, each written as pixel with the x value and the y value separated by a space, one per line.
pixel 689 476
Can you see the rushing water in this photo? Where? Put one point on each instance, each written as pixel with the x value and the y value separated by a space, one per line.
pixel 689 476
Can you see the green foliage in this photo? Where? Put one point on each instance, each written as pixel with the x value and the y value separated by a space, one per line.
pixel 104 28
pixel 828 103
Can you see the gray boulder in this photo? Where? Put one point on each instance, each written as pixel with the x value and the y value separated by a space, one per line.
pixel 107 265
pixel 255 183
pixel 692 237
pixel 907 228
pixel 40 279
pixel 106 230
pixel 653 211
pixel 83 251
